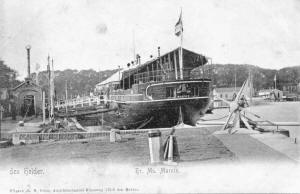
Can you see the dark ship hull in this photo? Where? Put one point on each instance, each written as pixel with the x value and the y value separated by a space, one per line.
pixel 150 114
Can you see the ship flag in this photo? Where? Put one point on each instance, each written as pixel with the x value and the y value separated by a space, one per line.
pixel 179 32
pixel 179 26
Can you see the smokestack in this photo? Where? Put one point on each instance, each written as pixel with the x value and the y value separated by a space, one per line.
pixel 158 49
pixel 28 47
pixel 138 59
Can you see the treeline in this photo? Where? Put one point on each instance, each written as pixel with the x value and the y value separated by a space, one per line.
pixel 225 76
pixel 84 81
pixel 7 76
pixel 78 82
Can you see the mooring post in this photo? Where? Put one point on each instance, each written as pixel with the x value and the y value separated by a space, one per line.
pixel 1 108
pixel 154 138
pixel 170 152
pixel 44 113
pixel 16 138
pixel 114 135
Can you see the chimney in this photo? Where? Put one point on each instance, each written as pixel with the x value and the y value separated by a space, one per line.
pixel 159 60
pixel 158 49
pixel 138 59
pixel 28 47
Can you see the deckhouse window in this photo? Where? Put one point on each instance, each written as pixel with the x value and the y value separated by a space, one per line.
pixel 170 92
pixel 196 91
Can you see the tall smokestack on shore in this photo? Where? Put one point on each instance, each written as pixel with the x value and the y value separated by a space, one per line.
pixel 28 47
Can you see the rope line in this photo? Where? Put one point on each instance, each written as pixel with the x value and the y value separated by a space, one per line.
pixel 215 119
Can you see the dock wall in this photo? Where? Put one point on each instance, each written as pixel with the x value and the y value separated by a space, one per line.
pixel 31 138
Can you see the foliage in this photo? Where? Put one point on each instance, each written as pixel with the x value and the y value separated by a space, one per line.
pixel 7 76
pixel 78 82
pixel 83 82
pixel 224 76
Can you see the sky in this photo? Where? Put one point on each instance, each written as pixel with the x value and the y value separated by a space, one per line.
pixel 103 34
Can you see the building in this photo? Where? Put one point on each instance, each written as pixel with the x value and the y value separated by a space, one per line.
pixel 291 91
pixel 112 82
pixel 27 96
pixel 225 93
pixel 271 94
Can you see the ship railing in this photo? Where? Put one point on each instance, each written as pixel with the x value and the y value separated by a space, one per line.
pixel 127 97
pixel 159 75
pixel 156 75
pixel 81 102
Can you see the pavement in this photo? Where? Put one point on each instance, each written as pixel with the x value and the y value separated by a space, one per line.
pixel 280 143
pixel 9 126
pixel 260 147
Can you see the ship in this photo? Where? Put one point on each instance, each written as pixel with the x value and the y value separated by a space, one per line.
pixel 158 93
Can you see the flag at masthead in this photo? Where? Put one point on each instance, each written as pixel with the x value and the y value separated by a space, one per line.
pixel 179 26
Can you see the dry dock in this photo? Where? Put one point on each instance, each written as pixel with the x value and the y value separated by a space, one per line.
pixel 195 145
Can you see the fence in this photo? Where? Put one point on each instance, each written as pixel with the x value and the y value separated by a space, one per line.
pixel 37 137
pixel 81 102
pixel 29 138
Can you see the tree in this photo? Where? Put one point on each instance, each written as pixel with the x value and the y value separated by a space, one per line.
pixel 7 76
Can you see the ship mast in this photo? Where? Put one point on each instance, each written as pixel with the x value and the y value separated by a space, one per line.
pixel 179 32
pixel 133 46
pixel 181 42
pixel 52 91
pixel 49 78
pixel 235 78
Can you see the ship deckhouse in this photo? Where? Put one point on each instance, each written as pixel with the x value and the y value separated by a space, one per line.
pixel 163 68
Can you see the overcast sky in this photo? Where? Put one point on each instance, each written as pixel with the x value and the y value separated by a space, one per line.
pixel 98 34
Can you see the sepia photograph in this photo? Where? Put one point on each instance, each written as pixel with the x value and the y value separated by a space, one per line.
pixel 149 96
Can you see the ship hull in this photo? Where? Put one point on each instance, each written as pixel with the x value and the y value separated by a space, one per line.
pixel 151 114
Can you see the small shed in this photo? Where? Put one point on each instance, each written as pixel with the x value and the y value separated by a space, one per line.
pixel 28 98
